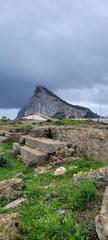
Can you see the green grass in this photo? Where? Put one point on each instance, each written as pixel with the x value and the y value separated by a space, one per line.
pixel 15 165
pixel 47 195
pixel 70 122
pixel 83 165
pixel 39 215
pixel 44 222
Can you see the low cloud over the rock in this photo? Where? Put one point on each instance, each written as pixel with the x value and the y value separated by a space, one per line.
pixel 62 45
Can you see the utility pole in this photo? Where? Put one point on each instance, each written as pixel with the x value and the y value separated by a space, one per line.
pixel 102 91
pixel 39 109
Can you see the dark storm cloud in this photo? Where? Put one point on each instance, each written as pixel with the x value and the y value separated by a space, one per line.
pixel 61 44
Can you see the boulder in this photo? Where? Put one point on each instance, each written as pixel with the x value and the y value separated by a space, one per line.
pixel 2 133
pixel 11 189
pixel 9 224
pixel 101 221
pixel 3 139
pixel 60 171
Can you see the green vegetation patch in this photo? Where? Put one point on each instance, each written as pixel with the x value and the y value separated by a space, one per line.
pixel 40 217
pixel 70 122
pixel 52 203
pixel 84 195
pixel 82 165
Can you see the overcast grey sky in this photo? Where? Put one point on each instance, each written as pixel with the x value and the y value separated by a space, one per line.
pixel 60 44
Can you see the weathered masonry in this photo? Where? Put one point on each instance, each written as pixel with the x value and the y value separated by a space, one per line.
pixel 89 141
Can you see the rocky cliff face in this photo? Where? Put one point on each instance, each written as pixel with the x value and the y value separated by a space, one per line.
pixel 47 103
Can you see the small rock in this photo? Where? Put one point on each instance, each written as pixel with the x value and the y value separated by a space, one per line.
pixel 20 175
pixel 61 212
pixel 40 170
pixel 52 185
pixel 60 171
pixel 15 203
pixel 52 195
pixel 19 157
pixel 71 151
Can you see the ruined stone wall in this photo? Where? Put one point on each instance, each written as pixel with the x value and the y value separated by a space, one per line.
pixel 90 142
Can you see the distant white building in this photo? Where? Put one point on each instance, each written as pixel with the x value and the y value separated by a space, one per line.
pixel 35 117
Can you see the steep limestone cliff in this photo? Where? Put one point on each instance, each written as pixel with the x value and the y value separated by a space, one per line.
pixel 47 103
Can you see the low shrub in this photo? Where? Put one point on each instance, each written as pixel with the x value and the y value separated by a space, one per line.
pixel 31 165
pixel 49 121
pixel 84 195
pixel 4 161
pixel 89 231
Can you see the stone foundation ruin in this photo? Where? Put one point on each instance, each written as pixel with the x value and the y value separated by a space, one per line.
pixel 60 142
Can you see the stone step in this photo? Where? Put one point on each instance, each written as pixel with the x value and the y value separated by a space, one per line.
pixel 44 144
pixel 28 154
